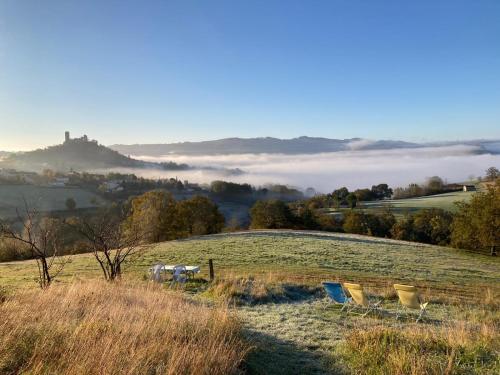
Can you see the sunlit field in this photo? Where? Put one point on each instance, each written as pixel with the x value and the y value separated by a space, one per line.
pixel 411 205
pixel 99 328
pixel 272 281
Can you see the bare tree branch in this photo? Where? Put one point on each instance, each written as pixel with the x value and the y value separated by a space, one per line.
pixel 41 237
pixel 111 245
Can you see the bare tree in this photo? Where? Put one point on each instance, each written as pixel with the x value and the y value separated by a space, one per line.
pixel 41 238
pixel 109 242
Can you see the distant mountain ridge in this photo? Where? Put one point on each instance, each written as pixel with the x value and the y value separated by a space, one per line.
pixel 269 145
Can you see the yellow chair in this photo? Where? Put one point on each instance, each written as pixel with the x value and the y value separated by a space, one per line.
pixel 409 298
pixel 360 298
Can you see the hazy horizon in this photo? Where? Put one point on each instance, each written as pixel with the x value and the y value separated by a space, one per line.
pixel 133 72
pixel 327 171
pixel 60 140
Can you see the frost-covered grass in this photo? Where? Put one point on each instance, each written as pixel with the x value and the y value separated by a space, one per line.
pixel 401 206
pixel 274 279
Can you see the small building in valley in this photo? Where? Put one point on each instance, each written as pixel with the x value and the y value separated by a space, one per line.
pixel 111 186
pixel 59 182
pixel 469 188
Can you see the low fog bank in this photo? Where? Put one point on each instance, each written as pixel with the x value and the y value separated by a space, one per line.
pixel 326 171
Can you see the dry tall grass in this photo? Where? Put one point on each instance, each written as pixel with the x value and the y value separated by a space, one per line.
pixel 102 328
pixel 419 350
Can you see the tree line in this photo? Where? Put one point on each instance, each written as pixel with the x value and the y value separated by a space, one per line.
pixel 474 226
pixel 112 234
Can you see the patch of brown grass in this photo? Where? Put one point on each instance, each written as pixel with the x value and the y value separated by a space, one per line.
pixel 102 328
pixel 417 350
pixel 244 290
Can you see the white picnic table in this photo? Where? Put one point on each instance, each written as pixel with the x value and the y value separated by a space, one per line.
pixel 190 270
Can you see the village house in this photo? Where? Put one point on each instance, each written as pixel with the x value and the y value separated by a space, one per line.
pixel 59 182
pixel 469 188
pixel 112 186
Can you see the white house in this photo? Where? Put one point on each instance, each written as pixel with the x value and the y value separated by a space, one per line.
pixel 112 186
pixel 59 182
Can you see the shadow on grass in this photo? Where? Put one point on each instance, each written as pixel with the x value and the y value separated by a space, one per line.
pixel 299 293
pixel 274 356
pixel 284 293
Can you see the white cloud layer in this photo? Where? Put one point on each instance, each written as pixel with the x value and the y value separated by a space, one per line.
pixel 327 171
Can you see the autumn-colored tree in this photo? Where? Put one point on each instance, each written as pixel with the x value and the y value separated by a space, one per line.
pixel 428 225
pixel 153 215
pixel 272 214
pixel 476 225
pixel 355 222
pixel 403 229
pixel 198 216
pixel 352 200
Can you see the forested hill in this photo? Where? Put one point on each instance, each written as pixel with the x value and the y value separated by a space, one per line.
pixel 77 155
pixel 301 145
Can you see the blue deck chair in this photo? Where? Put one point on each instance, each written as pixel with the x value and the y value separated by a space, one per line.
pixel 337 294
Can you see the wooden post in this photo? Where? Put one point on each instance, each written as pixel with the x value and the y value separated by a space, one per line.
pixel 211 269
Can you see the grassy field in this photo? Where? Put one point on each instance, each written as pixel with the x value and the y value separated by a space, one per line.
pixel 401 206
pixel 273 277
pixel 96 328
pixel 43 198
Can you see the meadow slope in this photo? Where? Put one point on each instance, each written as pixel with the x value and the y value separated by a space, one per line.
pixel 296 255
pixel 273 277
pixel 401 207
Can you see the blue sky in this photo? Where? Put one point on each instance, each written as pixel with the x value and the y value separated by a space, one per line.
pixel 163 71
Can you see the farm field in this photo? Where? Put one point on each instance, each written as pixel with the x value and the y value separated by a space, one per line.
pixel 400 207
pixel 43 198
pixel 273 280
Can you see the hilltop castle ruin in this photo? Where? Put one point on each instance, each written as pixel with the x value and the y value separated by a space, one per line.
pixel 84 138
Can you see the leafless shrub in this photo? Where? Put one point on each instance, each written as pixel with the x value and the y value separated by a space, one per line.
pixel 40 238
pixel 110 243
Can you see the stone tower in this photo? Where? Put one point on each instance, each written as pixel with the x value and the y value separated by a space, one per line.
pixel 66 136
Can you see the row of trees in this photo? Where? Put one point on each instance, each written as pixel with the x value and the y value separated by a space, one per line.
pixel 474 226
pixel 433 185
pixel 157 217
pixel 344 197
pixel 112 235
pixel 246 192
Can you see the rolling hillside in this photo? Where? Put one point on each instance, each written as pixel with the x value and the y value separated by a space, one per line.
pixel 75 154
pixel 311 256
pixel 273 280
pixel 78 154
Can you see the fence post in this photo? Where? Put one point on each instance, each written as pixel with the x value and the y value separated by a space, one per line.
pixel 211 269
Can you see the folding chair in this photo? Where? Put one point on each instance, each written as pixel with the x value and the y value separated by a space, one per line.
pixel 337 294
pixel 409 298
pixel 361 299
